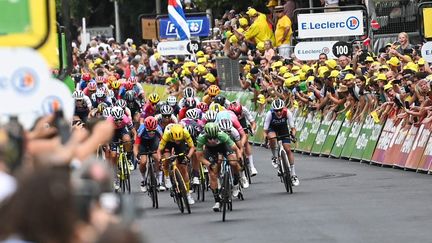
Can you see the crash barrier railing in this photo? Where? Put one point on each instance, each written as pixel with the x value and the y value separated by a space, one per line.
pixel 392 142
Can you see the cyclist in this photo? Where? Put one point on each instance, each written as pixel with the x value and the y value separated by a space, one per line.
pixel 98 111
pixel 100 96
pixel 244 116
pixel 149 109
pixel 85 79
pixel 122 103
pixel 115 86
pixel 147 140
pixel 172 101
pixel 189 103
pixel 202 106
pixel 90 89
pixel 188 92
pixel 175 138
pixel 166 116
pixel 122 125
pixel 133 104
pixel 276 123
pixel 212 92
pixel 132 84
pixel 83 105
pixel 217 142
pixel 221 100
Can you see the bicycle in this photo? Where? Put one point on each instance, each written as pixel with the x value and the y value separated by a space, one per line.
pixel 123 168
pixel 151 182
pixel 203 186
pixel 284 171
pixel 178 189
pixel 226 178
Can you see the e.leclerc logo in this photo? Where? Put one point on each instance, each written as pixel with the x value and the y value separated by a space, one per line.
pixel 351 23
pixel 51 104
pixel 24 80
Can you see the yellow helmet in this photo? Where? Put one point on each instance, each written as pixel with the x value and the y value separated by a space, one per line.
pixel 216 107
pixel 213 90
pixel 116 84
pixel 154 98
pixel 177 132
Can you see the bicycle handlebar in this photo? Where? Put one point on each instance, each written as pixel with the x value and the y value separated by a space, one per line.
pixel 173 157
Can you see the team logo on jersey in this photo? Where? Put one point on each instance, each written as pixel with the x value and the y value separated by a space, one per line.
pixel 25 80
pixel 51 104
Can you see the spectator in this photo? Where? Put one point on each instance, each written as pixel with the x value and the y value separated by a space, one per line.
pixel 283 28
pixel 259 31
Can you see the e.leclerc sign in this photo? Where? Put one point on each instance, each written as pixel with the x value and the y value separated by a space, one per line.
pixel 198 26
pixel 317 25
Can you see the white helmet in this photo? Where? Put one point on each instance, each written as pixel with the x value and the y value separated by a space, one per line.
pixel 172 100
pixel 106 112
pixel 189 92
pixel 78 95
pixel 100 93
pixel 117 112
pixel 210 115
pixel 192 114
pixel 277 104
pixel 167 110
pixel 225 125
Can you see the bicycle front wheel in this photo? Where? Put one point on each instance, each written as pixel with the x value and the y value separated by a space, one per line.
pixel 183 191
pixel 153 185
pixel 126 173
pixel 225 192
pixel 286 175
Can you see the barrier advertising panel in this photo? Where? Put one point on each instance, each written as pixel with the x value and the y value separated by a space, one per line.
pixel 401 159
pixel 426 160
pixel 396 144
pixel 384 141
pixel 313 132
pixel 322 134
pixel 341 139
pixel 332 134
pixel 418 147
pixel 304 133
pixel 362 139
pixel 372 141
pixel 351 140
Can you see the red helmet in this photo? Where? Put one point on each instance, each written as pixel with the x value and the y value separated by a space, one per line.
pixel 133 79
pixel 129 85
pixel 236 108
pixel 92 86
pixel 202 106
pixel 151 123
pixel 86 77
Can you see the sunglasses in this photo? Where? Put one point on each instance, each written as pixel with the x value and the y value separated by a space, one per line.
pixel 277 111
pixel 152 131
pixel 212 138
pixel 166 116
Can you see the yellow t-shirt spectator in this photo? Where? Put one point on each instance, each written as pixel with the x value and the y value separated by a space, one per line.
pixel 281 25
pixel 260 31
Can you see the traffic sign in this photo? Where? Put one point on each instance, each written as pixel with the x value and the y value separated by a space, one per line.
pixel 342 48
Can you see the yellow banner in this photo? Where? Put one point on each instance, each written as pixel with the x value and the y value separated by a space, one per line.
pixel 427 22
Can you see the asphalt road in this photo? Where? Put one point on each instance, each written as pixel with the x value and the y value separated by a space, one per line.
pixel 337 201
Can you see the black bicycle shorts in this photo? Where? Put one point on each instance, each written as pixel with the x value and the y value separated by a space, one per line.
pixel 149 145
pixel 178 149
pixel 212 153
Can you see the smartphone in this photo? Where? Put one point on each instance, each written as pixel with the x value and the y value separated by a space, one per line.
pixel 62 126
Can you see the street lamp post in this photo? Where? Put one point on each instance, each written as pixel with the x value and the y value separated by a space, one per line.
pixel 117 21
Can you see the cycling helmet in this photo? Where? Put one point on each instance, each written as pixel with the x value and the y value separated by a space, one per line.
pixel 78 95
pixel 150 123
pixel 133 79
pixel 236 108
pixel 86 77
pixel 130 95
pixel 210 116
pixel 121 103
pixel 92 86
pixel 192 114
pixel 216 107
pixel 128 85
pixel 107 112
pixel 211 129
pixel 101 107
pixel 192 131
pixel 190 103
pixel 219 99
pixel 277 104
pixel 100 79
pixel 225 125
pixel 166 110
pixel 111 94
pixel 177 132
pixel 111 79
pixel 154 98
pixel 213 90
pixel 115 84
pixel 202 106
pixel 172 100
pixel 189 92
pixel 117 112
pixel 100 93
